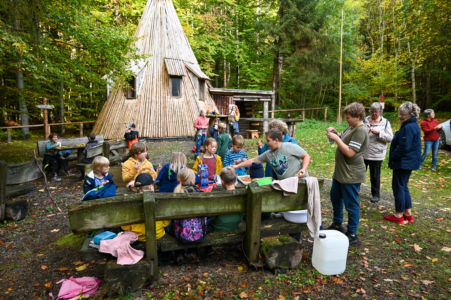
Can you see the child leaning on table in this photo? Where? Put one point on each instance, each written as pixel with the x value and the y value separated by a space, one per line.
pixel 137 164
pixel 99 183
pixel 236 155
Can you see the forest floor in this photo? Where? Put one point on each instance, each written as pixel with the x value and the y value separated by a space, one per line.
pixel 402 261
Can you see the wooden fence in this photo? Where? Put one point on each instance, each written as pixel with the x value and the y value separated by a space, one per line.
pixel 303 110
pixel 80 124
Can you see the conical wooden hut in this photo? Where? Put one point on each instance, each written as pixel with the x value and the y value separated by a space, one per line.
pixel 168 90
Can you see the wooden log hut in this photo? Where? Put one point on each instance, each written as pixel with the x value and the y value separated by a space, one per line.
pixel 168 89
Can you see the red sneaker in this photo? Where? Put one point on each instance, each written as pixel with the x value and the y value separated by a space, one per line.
pixel 408 218
pixel 395 219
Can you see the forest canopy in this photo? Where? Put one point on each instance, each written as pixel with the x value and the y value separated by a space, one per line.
pixel 64 51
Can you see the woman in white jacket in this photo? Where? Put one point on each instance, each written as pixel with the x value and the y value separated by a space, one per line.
pixel 380 133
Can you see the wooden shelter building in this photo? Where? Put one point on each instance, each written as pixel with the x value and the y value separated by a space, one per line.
pixel 168 89
pixel 249 102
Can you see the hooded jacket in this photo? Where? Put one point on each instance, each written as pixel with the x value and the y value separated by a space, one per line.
pixel 405 149
pixel 377 146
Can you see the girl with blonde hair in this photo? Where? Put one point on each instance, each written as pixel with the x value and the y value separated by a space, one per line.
pixel 167 177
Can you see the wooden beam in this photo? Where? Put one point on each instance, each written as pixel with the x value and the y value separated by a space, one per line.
pixel 151 234
pixel 253 222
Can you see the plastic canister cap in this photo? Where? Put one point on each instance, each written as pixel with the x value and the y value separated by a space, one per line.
pixel 322 235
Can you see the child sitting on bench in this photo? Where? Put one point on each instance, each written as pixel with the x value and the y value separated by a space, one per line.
pixel 137 164
pixel 99 183
pixel 227 222
pixel 144 182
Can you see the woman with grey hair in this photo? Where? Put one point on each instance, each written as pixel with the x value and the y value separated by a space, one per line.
pixel 431 137
pixel 404 156
pixel 380 133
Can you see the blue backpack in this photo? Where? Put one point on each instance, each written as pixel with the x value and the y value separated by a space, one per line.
pixel 190 230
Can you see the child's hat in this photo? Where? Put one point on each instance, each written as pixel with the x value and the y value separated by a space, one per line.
pixel 132 125
pixel 143 179
pixel 256 171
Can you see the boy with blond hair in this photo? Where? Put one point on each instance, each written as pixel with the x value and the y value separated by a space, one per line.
pixel 236 155
pixel 99 183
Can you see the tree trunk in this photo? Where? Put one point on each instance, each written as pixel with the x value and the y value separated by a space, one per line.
pixel 428 86
pixel 22 104
pixel 414 92
pixel 61 101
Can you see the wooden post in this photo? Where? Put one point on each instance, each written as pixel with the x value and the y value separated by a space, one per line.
pixel 303 115
pixel 3 175
pixel 325 114
pixel 265 116
pixel 46 107
pixel 106 149
pixel 273 104
pixel 253 223
pixel 8 130
pixel 46 120
pixel 81 129
pixel 151 234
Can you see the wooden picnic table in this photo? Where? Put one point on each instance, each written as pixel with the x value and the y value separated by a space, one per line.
pixel 79 149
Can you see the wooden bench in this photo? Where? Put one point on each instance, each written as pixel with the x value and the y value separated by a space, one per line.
pixel 68 143
pixel 149 207
pixel 115 151
pixel 252 134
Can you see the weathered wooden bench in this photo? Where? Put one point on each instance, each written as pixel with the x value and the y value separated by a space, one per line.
pixel 149 207
pixel 115 151
pixel 68 143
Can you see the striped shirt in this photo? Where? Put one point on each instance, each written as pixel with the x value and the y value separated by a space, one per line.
pixel 231 157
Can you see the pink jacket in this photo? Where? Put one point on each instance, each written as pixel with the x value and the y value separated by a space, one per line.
pixel 201 123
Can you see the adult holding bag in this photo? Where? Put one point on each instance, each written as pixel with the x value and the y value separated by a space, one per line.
pixel 380 134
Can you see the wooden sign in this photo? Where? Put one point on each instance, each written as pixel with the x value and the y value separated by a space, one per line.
pixel 45 106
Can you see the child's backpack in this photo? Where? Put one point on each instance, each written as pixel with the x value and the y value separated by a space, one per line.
pixel 190 230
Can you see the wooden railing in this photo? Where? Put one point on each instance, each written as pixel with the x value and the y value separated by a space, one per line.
pixel 79 123
pixel 303 110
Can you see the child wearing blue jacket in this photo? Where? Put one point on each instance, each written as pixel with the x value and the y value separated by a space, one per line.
pixel 167 177
pixel 99 183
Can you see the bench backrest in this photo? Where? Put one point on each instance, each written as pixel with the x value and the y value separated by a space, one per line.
pixel 103 213
pixel 67 142
pixel 108 149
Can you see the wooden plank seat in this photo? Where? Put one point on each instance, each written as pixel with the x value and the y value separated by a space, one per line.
pixel 149 207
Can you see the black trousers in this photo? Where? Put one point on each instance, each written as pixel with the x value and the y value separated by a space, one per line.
pixel 55 164
pixel 375 176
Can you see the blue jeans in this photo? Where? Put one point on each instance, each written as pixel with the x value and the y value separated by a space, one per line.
pixel 200 142
pixel 399 185
pixel 347 195
pixel 428 146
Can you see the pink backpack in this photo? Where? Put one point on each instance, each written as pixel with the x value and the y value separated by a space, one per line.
pixel 74 287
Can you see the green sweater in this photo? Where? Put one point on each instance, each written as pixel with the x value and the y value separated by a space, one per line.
pixel 223 144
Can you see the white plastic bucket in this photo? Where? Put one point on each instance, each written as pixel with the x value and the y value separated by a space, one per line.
pixel 296 216
pixel 330 252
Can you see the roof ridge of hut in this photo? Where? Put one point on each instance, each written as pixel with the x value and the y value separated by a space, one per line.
pixel 168 88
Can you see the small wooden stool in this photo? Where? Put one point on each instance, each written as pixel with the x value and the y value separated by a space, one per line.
pixel 252 134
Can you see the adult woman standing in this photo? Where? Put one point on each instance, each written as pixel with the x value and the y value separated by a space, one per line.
pixel 404 156
pixel 380 133
pixel 431 137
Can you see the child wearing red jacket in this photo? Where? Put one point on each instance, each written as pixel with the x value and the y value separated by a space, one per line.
pixel 431 137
